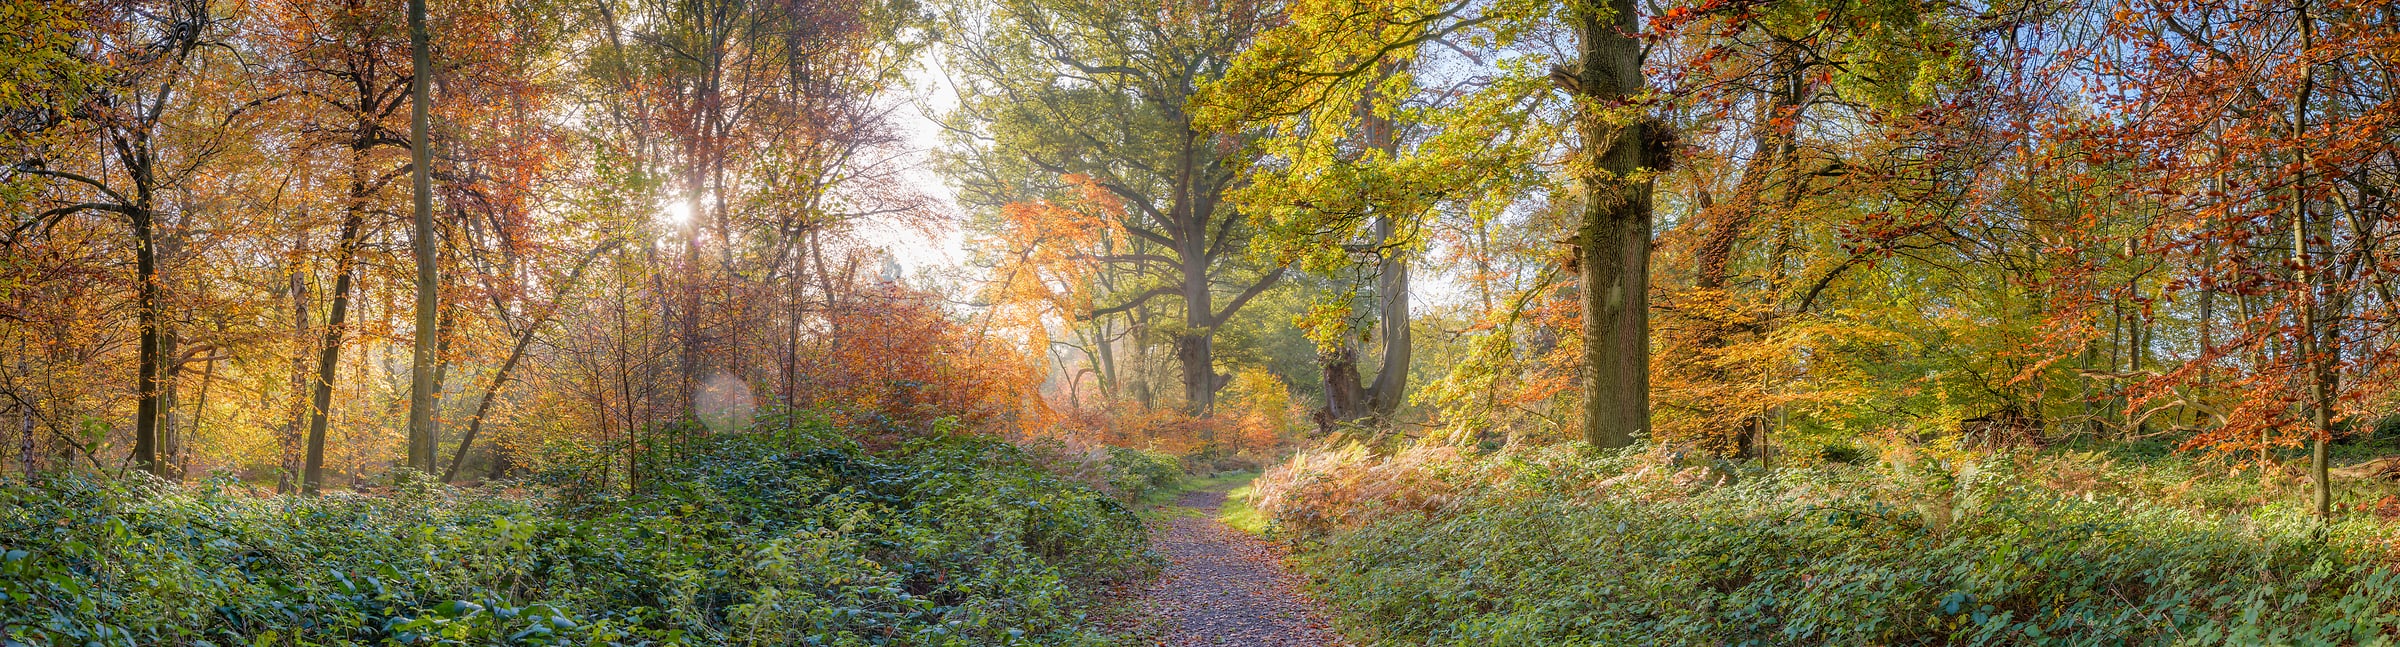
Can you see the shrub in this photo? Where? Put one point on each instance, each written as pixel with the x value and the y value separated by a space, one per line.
pixel 1135 474
pixel 794 537
pixel 1556 547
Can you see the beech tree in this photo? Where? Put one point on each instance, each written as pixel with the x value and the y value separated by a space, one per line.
pixel 423 390
pixel 149 57
pixel 1103 91
pixel 1363 157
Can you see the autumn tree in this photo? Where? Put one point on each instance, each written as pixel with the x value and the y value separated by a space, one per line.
pixel 1610 118
pixel 754 128
pixel 148 57
pixel 1103 91
pixel 2263 134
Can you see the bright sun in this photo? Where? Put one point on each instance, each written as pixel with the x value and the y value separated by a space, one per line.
pixel 676 213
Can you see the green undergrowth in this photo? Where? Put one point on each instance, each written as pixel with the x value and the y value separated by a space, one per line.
pixel 1143 477
pixel 1554 546
pixel 797 537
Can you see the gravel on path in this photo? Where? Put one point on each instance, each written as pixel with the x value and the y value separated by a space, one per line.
pixel 1223 587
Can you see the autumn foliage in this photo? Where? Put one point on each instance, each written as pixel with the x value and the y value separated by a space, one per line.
pixel 894 360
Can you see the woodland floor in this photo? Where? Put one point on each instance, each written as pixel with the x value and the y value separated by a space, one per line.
pixel 1225 587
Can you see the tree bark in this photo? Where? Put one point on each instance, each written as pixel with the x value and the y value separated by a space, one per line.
pixel 1614 237
pixel 1391 377
pixel 329 350
pixel 170 357
pixel 422 391
pixel 1345 399
pixel 183 450
pixel 1138 351
pixel 24 409
pixel 2306 276
pixel 290 459
pixel 1194 348
pixel 146 370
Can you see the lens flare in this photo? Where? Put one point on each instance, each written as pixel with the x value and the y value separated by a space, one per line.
pixel 724 403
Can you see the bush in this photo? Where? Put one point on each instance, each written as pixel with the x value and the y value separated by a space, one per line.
pixel 1137 473
pixel 790 538
pixel 1557 547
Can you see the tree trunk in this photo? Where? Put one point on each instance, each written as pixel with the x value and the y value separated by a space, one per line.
pixel 1391 377
pixel 1105 359
pixel 422 391
pixel 169 440
pixel 290 442
pixel 796 306
pixel 1193 347
pixel 1615 233
pixel 1345 399
pixel 1347 396
pixel 24 409
pixel 25 445
pixel 146 370
pixel 329 350
pixel 2307 275
pixel 1391 279
pixel 183 451
pixel 1200 378
pixel 1138 350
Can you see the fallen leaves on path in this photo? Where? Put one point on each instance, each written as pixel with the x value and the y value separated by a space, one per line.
pixel 1224 587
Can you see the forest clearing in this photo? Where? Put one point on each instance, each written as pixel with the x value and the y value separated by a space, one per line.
pixel 1270 323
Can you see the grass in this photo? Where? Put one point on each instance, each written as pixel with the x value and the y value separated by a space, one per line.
pixel 1238 512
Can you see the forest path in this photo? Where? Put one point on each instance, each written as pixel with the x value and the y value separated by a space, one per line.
pixel 1225 587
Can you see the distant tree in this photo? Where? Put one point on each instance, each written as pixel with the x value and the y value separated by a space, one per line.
pixel 1103 91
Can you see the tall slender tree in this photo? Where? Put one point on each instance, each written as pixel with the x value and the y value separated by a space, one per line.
pixel 423 391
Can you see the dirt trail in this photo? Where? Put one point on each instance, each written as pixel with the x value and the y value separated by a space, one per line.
pixel 1225 587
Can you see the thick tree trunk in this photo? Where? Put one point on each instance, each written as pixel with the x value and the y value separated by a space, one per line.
pixel 1105 359
pixel 1391 290
pixel 1614 237
pixel 1200 378
pixel 1345 399
pixel 422 391
pixel 1193 348
pixel 1348 396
